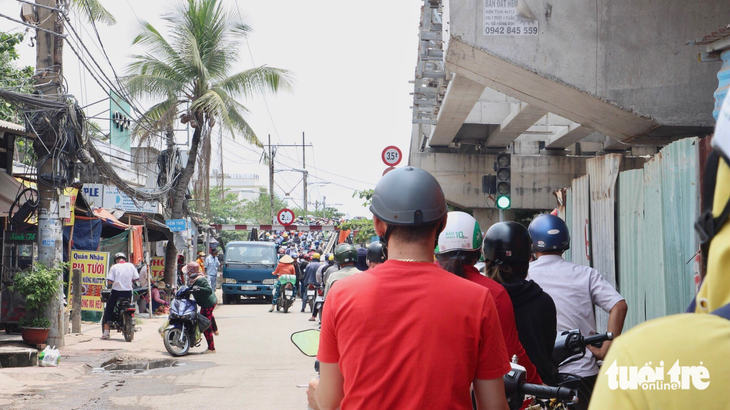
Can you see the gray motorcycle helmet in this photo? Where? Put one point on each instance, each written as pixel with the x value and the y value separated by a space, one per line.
pixel 408 197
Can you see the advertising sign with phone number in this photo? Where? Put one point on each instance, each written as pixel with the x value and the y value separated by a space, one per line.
pixel 501 19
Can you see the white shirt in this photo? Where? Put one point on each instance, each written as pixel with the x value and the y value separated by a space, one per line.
pixel 122 274
pixel 211 265
pixel 574 289
pixel 143 276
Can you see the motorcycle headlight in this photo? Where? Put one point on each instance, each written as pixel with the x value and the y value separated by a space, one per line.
pixel 231 280
pixel 269 281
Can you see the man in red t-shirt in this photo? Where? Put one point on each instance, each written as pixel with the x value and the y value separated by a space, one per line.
pixel 407 334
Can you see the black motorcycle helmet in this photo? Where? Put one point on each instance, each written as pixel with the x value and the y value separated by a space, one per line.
pixel 507 242
pixel 376 252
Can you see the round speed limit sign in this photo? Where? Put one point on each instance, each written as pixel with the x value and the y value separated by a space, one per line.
pixel 285 216
pixel 392 156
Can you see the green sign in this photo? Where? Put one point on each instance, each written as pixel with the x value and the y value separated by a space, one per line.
pixel 26 236
pixel 119 121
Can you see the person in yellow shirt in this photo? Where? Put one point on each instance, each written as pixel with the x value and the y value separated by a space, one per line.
pixel 681 361
pixel 201 261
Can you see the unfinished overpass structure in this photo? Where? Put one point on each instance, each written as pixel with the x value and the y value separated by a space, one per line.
pixel 553 84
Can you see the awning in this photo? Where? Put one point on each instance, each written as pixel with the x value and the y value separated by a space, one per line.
pixel 156 229
pixel 9 188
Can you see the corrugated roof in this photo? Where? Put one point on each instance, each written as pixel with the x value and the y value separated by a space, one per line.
pixel 11 126
pixel 721 33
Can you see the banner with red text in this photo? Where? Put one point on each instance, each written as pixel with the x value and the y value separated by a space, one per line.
pixel 93 266
pixel 157 268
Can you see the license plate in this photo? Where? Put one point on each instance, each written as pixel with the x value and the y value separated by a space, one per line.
pixel 248 287
pixel 310 293
pixel 288 292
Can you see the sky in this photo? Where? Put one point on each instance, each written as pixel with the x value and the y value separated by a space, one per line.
pixel 351 63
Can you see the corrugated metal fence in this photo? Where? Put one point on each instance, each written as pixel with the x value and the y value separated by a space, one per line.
pixel 643 247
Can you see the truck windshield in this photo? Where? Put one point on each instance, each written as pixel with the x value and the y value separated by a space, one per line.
pixel 251 254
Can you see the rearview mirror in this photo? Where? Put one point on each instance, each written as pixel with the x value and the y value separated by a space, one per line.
pixel 307 341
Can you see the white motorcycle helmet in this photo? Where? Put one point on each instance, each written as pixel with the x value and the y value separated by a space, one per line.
pixel 462 233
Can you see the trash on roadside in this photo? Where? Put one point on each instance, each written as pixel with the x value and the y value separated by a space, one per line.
pixel 49 357
pixel 162 328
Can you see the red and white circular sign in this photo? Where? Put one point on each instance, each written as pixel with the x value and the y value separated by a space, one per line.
pixel 285 216
pixel 392 156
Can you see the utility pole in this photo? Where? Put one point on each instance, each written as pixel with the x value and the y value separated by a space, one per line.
pixel 272 154
pixel 49 59
pixel 271 179
pixel 304 167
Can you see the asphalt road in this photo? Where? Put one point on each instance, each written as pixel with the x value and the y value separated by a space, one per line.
pixel 256 367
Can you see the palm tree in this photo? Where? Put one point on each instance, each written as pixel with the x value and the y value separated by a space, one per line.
pixel 190 77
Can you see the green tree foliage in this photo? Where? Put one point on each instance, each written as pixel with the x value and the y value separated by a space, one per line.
pixel 189 72
pixel 226 209
pixel 366 194
pixel 12 77
pixel 257 211
pixel 362 230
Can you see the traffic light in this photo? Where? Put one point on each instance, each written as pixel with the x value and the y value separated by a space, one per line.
pixel 504 185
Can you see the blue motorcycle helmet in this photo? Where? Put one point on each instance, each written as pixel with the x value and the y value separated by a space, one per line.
pixel 549 233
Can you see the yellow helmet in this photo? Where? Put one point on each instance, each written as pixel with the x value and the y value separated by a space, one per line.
pixel 316 255
pixel 331 257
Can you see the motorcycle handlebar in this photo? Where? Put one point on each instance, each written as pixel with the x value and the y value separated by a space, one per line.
pixel 597 339
pixel 547 392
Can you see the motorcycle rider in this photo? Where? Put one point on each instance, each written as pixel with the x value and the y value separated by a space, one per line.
pixel 121 278
pixel 310 276
pixel 205 298
pixel 285 267
pixel 346 258
pixel 459 248
pixel 376 254
pixel 362 259
pixel 574 289
pixel 698 341
pixel 389 337
pixel 506 252
pixel 329 265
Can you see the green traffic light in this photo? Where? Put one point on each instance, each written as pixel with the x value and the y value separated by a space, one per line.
pixel 503 202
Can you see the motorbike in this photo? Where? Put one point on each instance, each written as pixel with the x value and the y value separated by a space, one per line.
pixel 123 316
pixel 315 296
pixel 286 293
pixel 183 330
pixel 570 345
pixel 544 397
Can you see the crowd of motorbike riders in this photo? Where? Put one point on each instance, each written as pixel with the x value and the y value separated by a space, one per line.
pixel 440 328
pixel 533 293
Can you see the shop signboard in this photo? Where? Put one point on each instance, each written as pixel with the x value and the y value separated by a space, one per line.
pixel 93 266
pixel 110 197
pixel 157 268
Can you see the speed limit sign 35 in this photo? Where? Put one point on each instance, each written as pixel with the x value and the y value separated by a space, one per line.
pixel 392 156
pixel 285 217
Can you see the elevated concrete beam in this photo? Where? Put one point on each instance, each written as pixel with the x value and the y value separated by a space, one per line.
pixel 503 76
pixel 460 98
pixel 568 137
pixel 534 177
pixel 515 124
